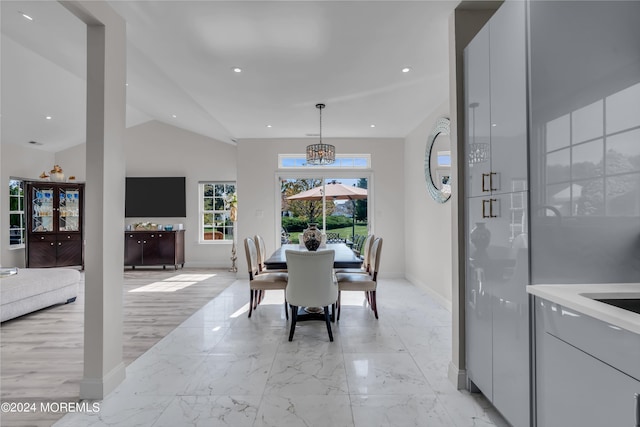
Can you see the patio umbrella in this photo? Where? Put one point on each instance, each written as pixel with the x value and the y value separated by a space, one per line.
pixel 336 191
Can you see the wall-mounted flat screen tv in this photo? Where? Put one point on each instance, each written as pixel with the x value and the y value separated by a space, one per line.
pixel 155 197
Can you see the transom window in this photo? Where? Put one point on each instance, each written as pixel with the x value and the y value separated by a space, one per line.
pixel 351 161
pixel 218 202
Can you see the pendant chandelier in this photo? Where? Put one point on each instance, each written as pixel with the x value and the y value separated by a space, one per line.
pixel 320 154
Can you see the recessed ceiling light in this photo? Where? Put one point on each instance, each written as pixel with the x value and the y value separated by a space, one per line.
pixel 493 125
pixel 373 126
pixel 269 126
pixel 174 116
pixel 48 117
pixel 237 69
pixel 26 16
pixel 126 84
pixel 406 69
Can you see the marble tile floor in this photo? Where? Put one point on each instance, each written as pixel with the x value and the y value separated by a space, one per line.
pixel 220 368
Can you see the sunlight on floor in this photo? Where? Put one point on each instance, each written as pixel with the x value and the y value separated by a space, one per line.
pixel 239 311
pixel 191 277
pixel 163 287
pixel 174 283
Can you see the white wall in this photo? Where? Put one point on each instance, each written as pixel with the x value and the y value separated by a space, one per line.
pixel 427 237
pixel 158 149
pixel 73 162
pixel 258 205
pixel 19 162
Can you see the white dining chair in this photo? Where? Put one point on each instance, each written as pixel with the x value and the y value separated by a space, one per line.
pixel 259 283
pixel 363 282
pixel 366 258
pixel 311 283
pixel 262 256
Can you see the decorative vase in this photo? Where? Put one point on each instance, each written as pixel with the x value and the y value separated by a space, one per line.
pixel 57 177
pixel 480 238
pixel 312 237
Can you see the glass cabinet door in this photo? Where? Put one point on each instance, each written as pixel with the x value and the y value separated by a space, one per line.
pixel 69 209
pixel 42 209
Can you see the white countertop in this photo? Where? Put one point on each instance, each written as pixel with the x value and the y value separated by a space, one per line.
pixel 580 298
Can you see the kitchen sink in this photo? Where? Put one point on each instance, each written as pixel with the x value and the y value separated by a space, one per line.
pixel 631 304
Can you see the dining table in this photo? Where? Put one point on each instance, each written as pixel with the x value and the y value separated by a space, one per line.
pixel 344 256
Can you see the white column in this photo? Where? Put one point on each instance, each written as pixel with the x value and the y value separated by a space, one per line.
pixel 104 197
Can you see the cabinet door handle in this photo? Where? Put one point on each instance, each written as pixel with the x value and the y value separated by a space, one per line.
pixel 491 215
pixel 491 181
pixel 484 175
pixel 484 211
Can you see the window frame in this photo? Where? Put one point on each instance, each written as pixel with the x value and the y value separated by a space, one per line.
pixel 226 212
pixel 21 213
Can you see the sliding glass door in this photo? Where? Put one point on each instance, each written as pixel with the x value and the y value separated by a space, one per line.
pixel 338 204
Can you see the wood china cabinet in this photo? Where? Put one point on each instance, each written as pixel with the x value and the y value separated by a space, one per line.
pixel 54 232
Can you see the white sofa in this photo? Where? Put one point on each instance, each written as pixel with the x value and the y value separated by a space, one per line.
pixel 36 288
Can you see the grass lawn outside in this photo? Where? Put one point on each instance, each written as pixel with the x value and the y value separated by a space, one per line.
pixel 344 232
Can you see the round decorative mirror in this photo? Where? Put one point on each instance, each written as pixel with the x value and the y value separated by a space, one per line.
pixel 437 162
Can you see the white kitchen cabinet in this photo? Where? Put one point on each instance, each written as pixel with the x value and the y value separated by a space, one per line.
pixel 586 370
pixel 497 269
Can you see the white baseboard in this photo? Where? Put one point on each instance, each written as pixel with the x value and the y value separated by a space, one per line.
pixel 204 264
pixel 457 376
pixel 433 294
pixel 99 388
pixel 391 275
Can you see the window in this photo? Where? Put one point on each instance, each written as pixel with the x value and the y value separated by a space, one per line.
pixel 351 161
pixel 218 202
pixel 16 213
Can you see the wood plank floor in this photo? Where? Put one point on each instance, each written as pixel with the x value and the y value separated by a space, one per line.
pixel 41 354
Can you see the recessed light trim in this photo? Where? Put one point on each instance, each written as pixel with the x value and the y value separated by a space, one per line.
pixel 174 116
pixel 269 126
pixel 48 117
pixel 406 69
pixel 373 126
pixel 237 69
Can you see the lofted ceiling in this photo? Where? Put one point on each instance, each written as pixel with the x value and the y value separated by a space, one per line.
pixel 181 57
